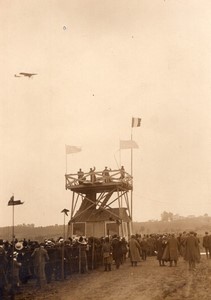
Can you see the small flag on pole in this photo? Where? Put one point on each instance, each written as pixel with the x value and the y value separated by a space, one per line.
pixel 128 144
pixel 14 202
pixel 136 122
pixel 65 211
pixel 72 149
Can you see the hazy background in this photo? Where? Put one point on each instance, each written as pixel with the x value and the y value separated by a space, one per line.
pixel 99 63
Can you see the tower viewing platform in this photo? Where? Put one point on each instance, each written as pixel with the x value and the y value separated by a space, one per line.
pixel 106 180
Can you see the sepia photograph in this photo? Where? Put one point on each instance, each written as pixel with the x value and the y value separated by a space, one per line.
pixel 105 156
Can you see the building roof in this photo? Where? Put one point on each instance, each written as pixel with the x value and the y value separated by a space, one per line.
pixel 99 215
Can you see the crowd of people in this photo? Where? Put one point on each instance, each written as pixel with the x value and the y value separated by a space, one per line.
pixel 21 261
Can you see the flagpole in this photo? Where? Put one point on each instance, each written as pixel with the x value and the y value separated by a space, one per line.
pixel 13 249
pixel 120 158
pixel 63 249
pixel 131 175
pixel 66 158
pixel 118 165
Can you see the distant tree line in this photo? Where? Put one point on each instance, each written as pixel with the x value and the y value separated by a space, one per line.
pixel 169 216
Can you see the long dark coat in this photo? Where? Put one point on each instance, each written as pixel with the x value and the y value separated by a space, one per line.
pixel 160 247
pixel 209 242
pixel 107 253
pixel 173 246
pixel 205 242
pixel 135 249
pixel 40 256
pixel 117 249
pixel 191 249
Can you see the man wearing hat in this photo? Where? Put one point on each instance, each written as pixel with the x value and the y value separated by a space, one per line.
pixel 19 246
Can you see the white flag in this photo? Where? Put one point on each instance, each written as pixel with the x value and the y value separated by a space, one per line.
pixel 72 149
pixel 128 144
pixel 136 122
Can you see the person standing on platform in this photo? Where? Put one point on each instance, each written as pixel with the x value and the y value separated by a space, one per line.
pixel 122 173
pixel 92 175
pixel 106 175
pixel 80 176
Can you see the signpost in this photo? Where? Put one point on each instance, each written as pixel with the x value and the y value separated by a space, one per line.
pixel 65 211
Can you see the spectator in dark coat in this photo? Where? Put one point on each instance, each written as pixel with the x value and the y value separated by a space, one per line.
pixel 107 254
pixel 182 243
pixel 3 266
pixel 144 247
pixel 199 255
pixel 171 252
pixel 160 247
pixel 205 244
pixel 124 249
pixel 191 250
pixel 117 250
pixel 209 245
pixel 40 256
pixel 135 249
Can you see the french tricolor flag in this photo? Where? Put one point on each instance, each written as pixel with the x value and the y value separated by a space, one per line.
pixel 136 122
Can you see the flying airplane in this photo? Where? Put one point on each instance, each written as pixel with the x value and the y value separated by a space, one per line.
pixel 17 75
pixel 27 74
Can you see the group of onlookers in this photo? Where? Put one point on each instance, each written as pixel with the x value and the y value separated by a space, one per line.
pixel 186 245
pixel 24 260
pixel 21 261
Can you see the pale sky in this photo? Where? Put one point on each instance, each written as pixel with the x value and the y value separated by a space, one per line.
pixel 99 63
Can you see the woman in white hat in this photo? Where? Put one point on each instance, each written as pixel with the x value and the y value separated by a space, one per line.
pixel 83 268
pixel 16 268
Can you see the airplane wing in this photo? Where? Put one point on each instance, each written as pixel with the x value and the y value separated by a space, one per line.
pixel 27 74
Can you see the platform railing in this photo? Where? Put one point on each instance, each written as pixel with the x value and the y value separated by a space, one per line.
pixel 98 177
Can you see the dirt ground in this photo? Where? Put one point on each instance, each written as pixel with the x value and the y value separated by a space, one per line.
pixel 147 281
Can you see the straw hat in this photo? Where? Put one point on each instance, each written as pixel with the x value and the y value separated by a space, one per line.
pixel 18 246
pixel 82 241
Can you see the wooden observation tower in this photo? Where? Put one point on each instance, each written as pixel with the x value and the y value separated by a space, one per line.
pixel 100 203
